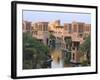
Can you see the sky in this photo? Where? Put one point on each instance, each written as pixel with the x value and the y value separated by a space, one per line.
pixel 64 17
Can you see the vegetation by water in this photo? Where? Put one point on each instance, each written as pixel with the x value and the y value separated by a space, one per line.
pixel 85 51
pixel 35 53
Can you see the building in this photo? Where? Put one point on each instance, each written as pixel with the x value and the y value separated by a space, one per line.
pixel 40 31
pixel 75 31
pixel 26 26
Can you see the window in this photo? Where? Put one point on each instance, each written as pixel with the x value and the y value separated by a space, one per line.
pixel 70 28
pixel 80 29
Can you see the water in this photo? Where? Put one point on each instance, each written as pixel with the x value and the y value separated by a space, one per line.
pixel 57 59
pixel 56 64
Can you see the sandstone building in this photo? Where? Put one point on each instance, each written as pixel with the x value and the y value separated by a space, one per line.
pixel 76 31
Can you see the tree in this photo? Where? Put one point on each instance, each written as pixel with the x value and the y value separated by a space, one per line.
pixel 85 48
pixel 34 51
pixel 68 41
pixel 29 58
pixel 52 41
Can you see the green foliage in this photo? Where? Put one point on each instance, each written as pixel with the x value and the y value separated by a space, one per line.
pixel 52 39
pixel 27 64
pixel 67 58
pixel 29 52
pixel 34 51
pixel 84 63
pixel 85 47
pixel 68 40
pixel 51 36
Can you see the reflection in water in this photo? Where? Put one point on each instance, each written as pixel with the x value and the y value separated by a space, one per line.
pixel 57 59
pixel 56 64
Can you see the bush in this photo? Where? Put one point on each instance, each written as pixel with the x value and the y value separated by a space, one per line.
pixel 84 63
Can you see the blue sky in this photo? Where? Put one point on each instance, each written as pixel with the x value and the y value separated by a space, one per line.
pixel 67 17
